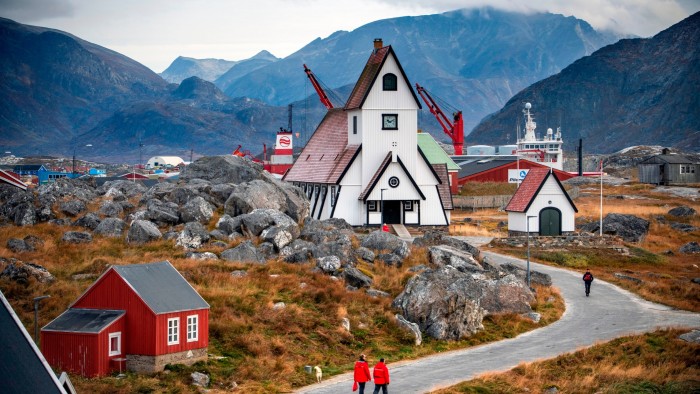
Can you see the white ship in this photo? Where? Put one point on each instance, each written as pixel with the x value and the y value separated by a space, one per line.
pixel 547 151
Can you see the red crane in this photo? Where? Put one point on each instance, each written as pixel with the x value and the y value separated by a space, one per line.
pixel 454 128
pixel 321 94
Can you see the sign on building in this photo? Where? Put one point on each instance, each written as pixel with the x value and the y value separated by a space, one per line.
pixel 516 176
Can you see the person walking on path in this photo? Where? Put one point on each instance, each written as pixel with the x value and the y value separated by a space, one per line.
pixel 381 377
pixel 587 279
pixel 362 375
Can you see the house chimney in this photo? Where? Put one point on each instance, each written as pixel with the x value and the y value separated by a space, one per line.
pixel 665 151
pixel 378 43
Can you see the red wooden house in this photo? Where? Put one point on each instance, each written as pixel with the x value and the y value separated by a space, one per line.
pixel 147 315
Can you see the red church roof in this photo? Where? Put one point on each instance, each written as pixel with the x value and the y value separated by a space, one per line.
pixel 327 154
pixel 528 190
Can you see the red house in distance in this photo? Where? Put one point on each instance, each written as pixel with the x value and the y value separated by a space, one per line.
pixel 135 317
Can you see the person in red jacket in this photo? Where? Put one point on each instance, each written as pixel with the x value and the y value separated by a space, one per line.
pixel 381 377
pixel 362 375
pixel 587 279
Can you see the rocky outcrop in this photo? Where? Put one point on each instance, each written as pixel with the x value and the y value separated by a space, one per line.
pixel 142 231
pixel 244 252
pixel 433 238
pixel 442 255
pixel 21 272
pixel 111 227
pixel 410 327
pixel 629 227
pixel 443 302
pixel 682 211
pixel 193 236
pixel 76 237
pixel 384 241
pixel 690 248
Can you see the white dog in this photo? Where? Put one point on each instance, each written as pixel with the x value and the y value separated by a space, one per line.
pixel 319 373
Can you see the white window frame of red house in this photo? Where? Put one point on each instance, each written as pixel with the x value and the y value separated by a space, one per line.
pixel 192 328
pixel 118 350
pixel 173 331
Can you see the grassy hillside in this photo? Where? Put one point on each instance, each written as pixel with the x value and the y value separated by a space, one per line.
pixel 656 362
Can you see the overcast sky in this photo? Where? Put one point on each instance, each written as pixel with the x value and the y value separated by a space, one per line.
pixel 155 32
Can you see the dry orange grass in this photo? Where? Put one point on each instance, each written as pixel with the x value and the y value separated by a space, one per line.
pixel 657 362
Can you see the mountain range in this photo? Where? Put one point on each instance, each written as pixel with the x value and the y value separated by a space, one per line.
pixel 474 60
pixel 61 93
pixel 643 91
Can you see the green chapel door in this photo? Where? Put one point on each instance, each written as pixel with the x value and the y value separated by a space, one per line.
pixel 550 222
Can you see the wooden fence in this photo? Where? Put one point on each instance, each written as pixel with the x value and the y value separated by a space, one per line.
pixel 499 201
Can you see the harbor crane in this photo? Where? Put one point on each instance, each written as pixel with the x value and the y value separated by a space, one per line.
pixel 321 93
pixel 454 128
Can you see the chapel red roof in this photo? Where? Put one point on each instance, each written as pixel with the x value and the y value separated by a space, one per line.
pixel 327 154
pixel 528 190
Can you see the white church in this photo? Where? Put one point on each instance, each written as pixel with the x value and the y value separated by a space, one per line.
pixel 363 162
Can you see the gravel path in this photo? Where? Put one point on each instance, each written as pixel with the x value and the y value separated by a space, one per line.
pixel 609 312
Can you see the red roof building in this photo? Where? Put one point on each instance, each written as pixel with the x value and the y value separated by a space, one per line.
pixel 541 205
pixel 499 169
pixel 363 163
pixel 136 317
pixel 12 178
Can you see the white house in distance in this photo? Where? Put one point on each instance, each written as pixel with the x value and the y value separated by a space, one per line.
pixel 543 199
pixel 163 161
pixel 365 156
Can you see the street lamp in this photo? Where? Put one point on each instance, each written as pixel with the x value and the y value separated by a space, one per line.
pixel 528 249
pixel 381 204
pixel 36 316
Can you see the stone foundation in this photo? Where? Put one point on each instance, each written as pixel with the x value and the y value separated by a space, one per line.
pixel 150 364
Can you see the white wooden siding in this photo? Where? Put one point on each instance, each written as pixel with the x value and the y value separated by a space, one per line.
pixel 405 190
pixel 355 139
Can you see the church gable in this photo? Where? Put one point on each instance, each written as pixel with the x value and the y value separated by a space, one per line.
pixel 382 73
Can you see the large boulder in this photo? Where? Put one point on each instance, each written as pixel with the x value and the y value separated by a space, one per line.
pixel 355 278
pixel 690 248
pixel 196 210
pixel 111 209
pixel 628 227
pixel 17 245
pixel 381 240
pixel 442 255
pixel 17 206
pixel 299 251
pixel 435 238
pixel 682 211
pixel 162 213
pixel 20 272
pixel 193 236
pixel 443 302
pixel 72 207
pixel 76 237
pixel 258 220
pixel 142 231
pixel 257 194
pixel 90 221
pixel 245 252
pixel 252 187
pixel 111 227
pixel 126 188
pixel 447 303
pixel 73 189
pixel 223 169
